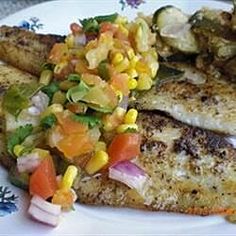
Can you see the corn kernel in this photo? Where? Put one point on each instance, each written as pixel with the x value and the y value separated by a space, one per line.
pixel 100 146
pixel 144 82
pixel 18 150
pixel 54 108
pixel 130 53
pixel 69 177
pixel 132 83
pixel 132 73
pixel 131 116
pixel 97 162
pixel 133 62
pixel 122 66
pixel 70 40
pixel 118 58
pixel 45 77
pixel 124 127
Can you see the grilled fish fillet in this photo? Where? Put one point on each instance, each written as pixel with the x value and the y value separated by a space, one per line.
pixel 210 104
pixel 24 49
pixel 191 171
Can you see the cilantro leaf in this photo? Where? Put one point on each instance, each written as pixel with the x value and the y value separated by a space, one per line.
pixel 17 97
pixel 48 121
pixel 51 89
pixel 92 24
pixel 91 121
pixel 18 137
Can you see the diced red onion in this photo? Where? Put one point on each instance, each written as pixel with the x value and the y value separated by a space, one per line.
pixel 124 102
pixel 80 39
pixel 28 163
pixel 129 174
pixel 40 100
pixel 44 211
pixel 50 208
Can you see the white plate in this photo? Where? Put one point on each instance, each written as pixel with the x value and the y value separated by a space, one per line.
pixel 55 17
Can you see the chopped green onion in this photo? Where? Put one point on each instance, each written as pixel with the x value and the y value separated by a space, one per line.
pixel 76 93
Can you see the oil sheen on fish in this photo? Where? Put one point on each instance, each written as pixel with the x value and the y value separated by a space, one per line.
pixel 210 104
pixel 24 49
pixel 191 171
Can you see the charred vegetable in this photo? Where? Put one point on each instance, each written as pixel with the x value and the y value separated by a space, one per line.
pixel 172 25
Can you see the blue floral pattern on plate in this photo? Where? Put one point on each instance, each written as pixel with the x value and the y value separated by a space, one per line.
pixel 7 201
pixel 131 3
pixel 33 24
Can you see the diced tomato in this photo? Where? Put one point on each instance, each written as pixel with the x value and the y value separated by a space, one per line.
pixel 43 180
pixel 75 28
pixel 120 82
pixel 58 53
pixel 75 145
pixel 70 126
pixel 91 79
pixel 124 147
pixel 108 26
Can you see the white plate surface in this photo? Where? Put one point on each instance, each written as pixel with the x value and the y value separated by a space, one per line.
pixel 55 17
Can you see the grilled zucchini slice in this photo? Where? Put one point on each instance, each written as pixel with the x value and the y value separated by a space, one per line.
pixel 172 25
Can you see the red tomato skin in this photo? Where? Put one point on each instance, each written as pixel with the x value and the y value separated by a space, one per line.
pixel 43 181
pixel 124 147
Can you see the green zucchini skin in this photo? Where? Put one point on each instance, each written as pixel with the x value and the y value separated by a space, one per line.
pixel 170 19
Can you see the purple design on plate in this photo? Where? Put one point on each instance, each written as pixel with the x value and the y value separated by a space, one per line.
pixel 7 201
pixel 33 24
pixel 131 3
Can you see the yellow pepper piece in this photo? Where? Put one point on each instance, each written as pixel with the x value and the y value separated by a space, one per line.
pixel 69 177
pixel 131 116
pixel 97 162
pixel 124 127
pixel 123 65
pixel 118 58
